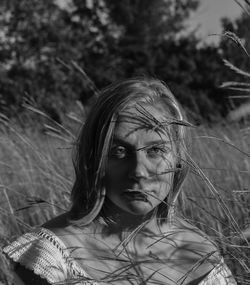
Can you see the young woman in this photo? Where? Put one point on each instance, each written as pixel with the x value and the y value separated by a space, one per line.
pixel 122 227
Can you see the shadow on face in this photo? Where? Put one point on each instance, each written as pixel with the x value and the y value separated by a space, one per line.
pixel 141 161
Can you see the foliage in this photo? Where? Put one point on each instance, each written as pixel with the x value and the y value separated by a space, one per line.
pixel 194 76
pixel 109 40
pixel 39 35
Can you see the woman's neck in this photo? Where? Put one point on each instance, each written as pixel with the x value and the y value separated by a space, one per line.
pixel 118 220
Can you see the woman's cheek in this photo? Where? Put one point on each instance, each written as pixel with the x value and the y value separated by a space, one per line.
pixel 116 168
pixel 163 165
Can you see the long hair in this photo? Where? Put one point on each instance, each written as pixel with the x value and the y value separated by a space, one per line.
pixel 92 147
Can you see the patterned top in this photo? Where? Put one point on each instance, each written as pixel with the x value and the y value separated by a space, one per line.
pixel 47 256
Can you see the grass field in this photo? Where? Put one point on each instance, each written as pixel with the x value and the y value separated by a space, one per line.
pixel 36 177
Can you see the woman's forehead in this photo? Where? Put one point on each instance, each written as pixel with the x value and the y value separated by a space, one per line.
pixel 143 119
pixel 128 132
pixel 143 113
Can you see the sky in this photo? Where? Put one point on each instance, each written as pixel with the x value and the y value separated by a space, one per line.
pixel 207 17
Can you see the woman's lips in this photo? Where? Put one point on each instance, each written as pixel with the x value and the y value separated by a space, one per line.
pixel 136 195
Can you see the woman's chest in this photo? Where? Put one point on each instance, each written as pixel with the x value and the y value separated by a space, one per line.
pixel 138 260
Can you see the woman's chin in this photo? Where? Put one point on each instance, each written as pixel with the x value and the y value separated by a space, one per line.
pixel 129 207
pixel 138 208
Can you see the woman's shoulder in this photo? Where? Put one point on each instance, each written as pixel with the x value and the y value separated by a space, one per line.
pixel 43 252
pixel 70 234
pixel 197 251
pixel 189 234
pixel 207 260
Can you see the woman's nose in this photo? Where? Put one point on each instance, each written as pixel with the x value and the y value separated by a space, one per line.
pixel 139 169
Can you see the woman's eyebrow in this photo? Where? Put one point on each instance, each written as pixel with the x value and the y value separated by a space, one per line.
pixel 157 142
pixel 149 143
pixel 121 141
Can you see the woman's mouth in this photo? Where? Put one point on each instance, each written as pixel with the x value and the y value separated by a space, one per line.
pixel 135 195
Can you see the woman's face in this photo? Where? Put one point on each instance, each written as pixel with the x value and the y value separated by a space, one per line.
pixel 141 160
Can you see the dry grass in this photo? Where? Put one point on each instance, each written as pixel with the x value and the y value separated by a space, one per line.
pixel 36 177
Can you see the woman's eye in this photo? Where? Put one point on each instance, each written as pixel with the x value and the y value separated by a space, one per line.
pixel 156 151
pixel 118 152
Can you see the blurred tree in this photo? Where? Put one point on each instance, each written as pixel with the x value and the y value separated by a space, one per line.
pixel 34 31
pixel 40 37
pixel 145 26
pixel 109 40
pixel 148 42
pixel 194 75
